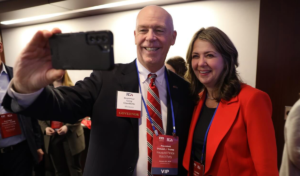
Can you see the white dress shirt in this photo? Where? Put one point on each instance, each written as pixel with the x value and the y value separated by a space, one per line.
pixel 160 82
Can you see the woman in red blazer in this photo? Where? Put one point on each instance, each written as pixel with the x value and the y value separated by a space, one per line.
pixel 231 133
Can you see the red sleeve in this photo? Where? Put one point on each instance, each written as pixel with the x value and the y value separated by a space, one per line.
pixel 260 133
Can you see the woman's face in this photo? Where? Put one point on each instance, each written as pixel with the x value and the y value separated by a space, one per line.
pixel 207 63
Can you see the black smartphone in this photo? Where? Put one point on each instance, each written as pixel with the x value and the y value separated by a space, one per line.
pixel 82 51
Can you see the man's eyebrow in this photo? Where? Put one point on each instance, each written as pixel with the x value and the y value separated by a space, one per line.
pixel 159 26
pixel 156 26
pixel 142 26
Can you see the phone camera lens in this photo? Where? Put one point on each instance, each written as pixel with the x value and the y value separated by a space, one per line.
pixel 92 39
pixel 98 39
pixel 104 38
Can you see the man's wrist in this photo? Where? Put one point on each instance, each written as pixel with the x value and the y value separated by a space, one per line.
pixel 24 100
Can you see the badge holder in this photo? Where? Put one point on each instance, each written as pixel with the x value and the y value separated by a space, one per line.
pixel 165 155
pixel 198 169
pixel 9 124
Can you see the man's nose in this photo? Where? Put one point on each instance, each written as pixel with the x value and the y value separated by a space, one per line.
pixel 150 36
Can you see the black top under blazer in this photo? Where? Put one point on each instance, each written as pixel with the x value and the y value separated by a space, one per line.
pixel 114 146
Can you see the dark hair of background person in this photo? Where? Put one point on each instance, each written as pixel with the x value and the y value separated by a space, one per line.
pixel 179 65
pixel 228 84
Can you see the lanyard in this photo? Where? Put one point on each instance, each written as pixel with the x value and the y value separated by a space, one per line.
pixel 168 87
pixel 205 138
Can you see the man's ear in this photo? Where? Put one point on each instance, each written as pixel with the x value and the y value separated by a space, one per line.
pixel 135 37
pixel 174 35
pixel 1 47
pixel 1 51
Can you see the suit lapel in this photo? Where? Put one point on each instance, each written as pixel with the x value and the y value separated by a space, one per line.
pixel 9 71
pixel 174 95
pixel 128 80
pixel 223 120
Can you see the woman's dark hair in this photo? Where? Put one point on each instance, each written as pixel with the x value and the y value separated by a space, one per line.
pixel 179 65
pixel 228 84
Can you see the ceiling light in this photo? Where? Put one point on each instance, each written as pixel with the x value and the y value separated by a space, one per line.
pixel 104 6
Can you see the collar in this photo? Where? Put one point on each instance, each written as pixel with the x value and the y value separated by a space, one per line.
pixel 3 69
pixel 143 73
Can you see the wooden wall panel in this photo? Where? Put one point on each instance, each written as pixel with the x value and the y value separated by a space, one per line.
pixel 278 64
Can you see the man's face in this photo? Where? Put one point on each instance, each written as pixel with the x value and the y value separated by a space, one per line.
pixel 153 37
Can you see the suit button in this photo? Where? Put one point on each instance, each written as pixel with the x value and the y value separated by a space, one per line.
pixel 130 169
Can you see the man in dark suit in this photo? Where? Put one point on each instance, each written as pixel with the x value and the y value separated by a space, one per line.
pixel 117 144
pixel 20 136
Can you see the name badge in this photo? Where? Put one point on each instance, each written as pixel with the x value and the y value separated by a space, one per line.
pixel 165 155
pixel 9 124
pixel 129 104
pixel 198 169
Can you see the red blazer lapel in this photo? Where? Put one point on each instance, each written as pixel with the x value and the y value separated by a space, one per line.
pixel 223 120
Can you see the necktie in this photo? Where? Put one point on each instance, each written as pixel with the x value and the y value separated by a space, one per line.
pixel 153 106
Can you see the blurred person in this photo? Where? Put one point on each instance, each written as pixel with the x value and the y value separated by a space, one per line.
pixel 119 144
pixel 20 137
pixel 64 142
pixel 39 168
pixel 231 132
pixel 290 164
pixel 177 65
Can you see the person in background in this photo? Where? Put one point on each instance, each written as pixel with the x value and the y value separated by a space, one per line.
pixel 290 164
pixel 64 142
pixel 231 132
pixel 39 168
pixel 20 136
pixel 121 143
pixel 177 65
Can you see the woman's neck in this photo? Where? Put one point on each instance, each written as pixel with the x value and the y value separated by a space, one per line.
pixel 211 93
pixel 211 102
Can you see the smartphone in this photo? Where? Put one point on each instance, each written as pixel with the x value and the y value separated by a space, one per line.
pixel 82 51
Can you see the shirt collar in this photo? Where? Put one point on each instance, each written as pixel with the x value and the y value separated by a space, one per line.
pixel 143 73
pixel 3 69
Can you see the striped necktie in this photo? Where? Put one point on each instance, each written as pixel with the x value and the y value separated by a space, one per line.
pixel 153 106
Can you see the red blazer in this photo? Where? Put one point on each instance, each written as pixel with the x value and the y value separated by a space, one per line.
pixel 241 140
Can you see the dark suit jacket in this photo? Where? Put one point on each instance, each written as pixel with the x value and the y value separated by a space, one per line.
pixel 30 127
pixel 74 136
pixel 113 148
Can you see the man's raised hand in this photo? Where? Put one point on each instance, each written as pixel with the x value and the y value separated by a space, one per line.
pixel 33 68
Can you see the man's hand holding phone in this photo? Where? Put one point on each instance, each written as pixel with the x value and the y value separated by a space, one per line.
pixel 49 53
pixel 33 68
